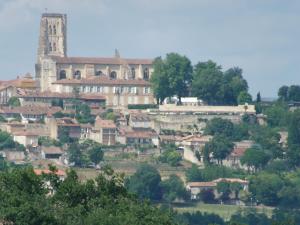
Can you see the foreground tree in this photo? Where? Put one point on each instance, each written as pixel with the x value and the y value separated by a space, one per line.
pixel 255 158
pixel 26 200
pixel 145 183
pixel 173 188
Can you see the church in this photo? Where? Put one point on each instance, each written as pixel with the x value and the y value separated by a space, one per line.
pixel 120 81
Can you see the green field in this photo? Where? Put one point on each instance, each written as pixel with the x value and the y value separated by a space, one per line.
pixel 225 211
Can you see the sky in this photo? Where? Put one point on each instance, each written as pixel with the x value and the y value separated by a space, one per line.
pixel 260 36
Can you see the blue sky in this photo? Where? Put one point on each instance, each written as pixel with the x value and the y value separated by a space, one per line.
pixel 260 36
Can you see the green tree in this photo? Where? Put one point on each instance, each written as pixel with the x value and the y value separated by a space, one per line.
pixel 193 174
pixel 159 81
pixel 75 155
pixel 83 114
pixel 283 93
pixel 224 189
pixel 258 97
pixel 179 72
pixel 207 196
pixel 173 188
pixel 265 188
pixel 277 115
pixel 220 147
pixel 208 82
pixel 96 154
pixel 145 183
pixel 14 101
pixel 255 158
pixel 294 93
pixel 244 97
pixel 294 129
pixel 219 126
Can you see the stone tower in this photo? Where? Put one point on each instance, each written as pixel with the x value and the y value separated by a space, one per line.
pixel 52 42
pixel 53 35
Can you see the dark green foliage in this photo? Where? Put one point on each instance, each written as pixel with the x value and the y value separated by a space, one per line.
pixel 25 200
pixel 265 188
pixel 212 172
pixel 207 196
pixel 3 163
pixel 224 189
pixel 220 147
pixel 75 155
pixel 170 155
pixel 96 154
pixel 47 141
pixel 289 93
pixel 14 102
pixel 171 76
pixel 173 188
pixel 258 98
pixel 215 87
pixel 142 106
pixel 145 183
pixel 250 218
pixel 199 218
pixel 277 115
pixel 7 142
pixel 255 158
pixel 83 114
pixel 244 97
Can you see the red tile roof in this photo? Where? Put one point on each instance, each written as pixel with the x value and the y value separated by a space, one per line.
pixel 30 110
pixel 101 60
pixel 104 81
pixel 44 171
pixel 202 184
pixel 100 123
pixel 47 94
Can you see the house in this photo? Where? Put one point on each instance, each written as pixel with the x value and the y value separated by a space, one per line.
pixel 12 88
pixel 139 137
pixel 104 132
pixel 233 160
pixel 51 152
pixel 196 187
pixel 65 126
pixel 60 173
pixel 17 157
pixel 139 120
pixel 28 113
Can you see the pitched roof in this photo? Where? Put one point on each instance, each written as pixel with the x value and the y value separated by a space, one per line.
pixel 202 184
pixel 102 60
pixel 48 94
pixel 100 123
pixel 30 110
pixel 103 81
pixel 231 180
pixel 51 150
pixel 45 171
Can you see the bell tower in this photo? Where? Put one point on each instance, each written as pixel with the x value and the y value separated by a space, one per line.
pixel 52 43
pixel 53 35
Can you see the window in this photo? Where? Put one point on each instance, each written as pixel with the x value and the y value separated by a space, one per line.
pixel 62 75
pixel 54 30
pixel 146 90
pixel 50 47
pixel 99 73
pixel 54 47
pixel 146 74
pixel 132 73
pixel 77 75
pixel 99 89
pixel 50 30
pixel 113 75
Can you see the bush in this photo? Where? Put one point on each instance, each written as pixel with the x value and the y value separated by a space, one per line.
pixel 143 106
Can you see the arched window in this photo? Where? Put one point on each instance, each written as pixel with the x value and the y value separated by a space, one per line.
pixel 50 29
pixel 113 75
pixel 146 74
pixel 62 75
pixel 54 29
pixel 132 73
pixel 50 47
pixel 54 47
pixel 77 75
pixel 98 73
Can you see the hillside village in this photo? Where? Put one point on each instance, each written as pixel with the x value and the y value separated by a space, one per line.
pixel 218 147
